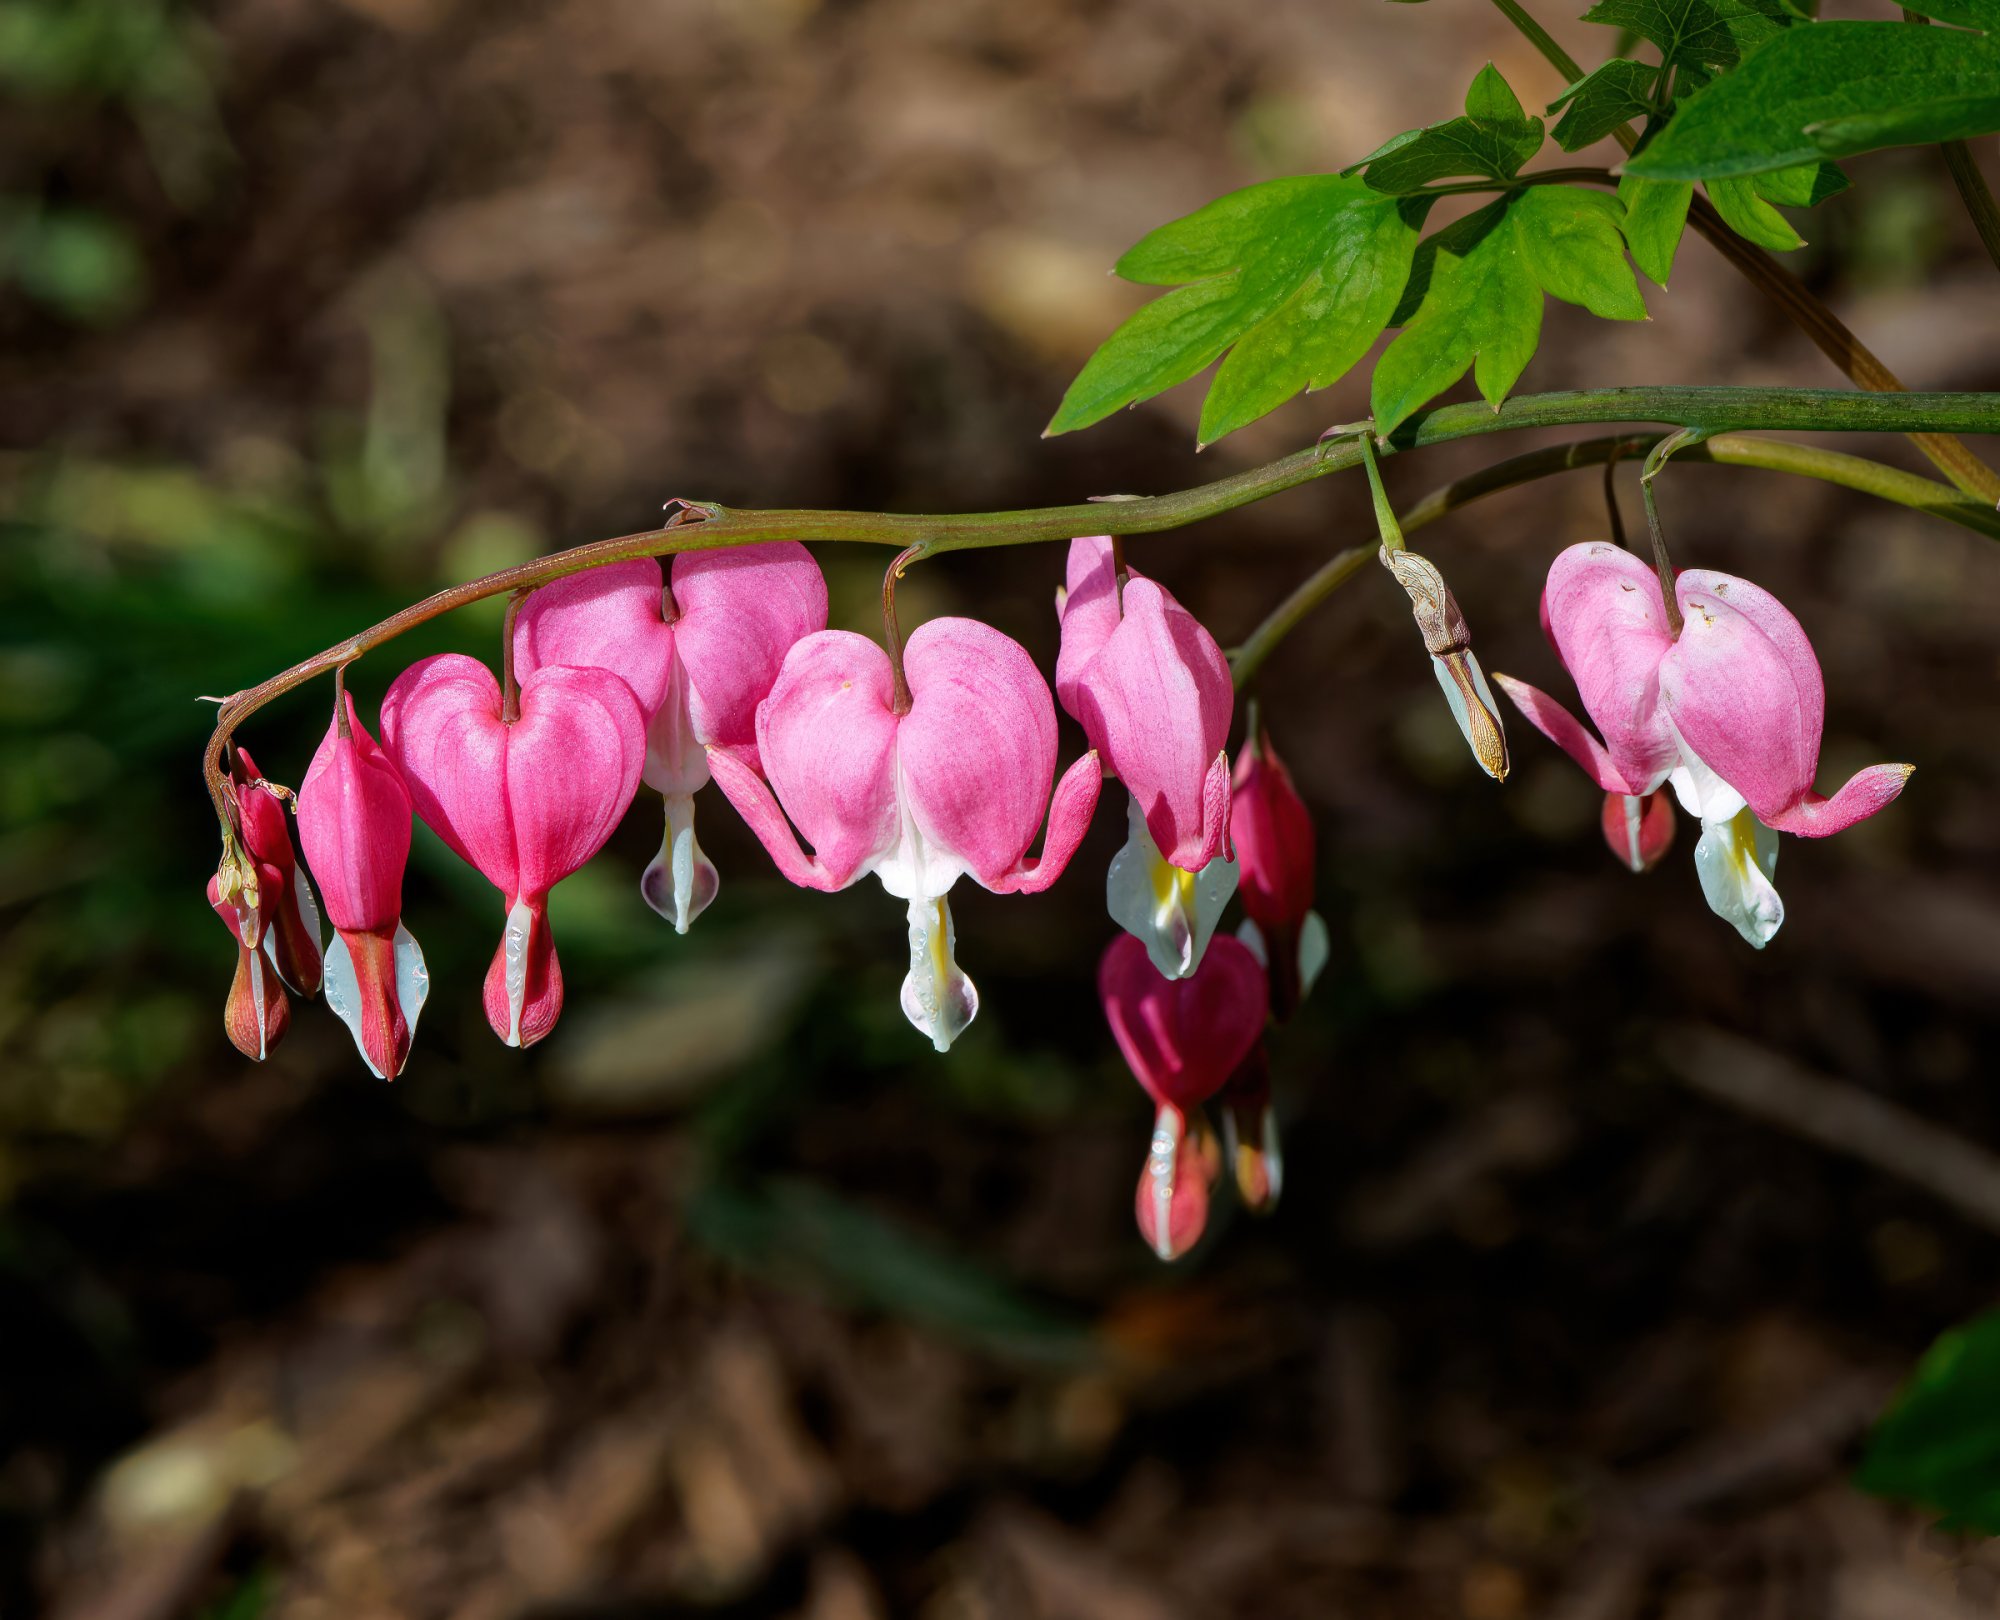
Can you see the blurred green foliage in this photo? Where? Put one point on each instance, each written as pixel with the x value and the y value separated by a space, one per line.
pixel 1939 1444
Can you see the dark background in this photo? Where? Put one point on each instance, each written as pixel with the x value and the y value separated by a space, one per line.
pixel 732 1297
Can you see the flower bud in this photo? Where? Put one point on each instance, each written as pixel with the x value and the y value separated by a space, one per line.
pixel 1250 1132
pixel 1273 834
pixel 1639 829
pixel 1449 642
pixel 1183 1165
pixel 292 938
pixel 256 1013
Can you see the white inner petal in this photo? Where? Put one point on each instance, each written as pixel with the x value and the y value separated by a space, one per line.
pixel 1253 941
pixel 1171 912
pixel 676 762
pixel 514 941
pixel 308 916
pixel 937 996
pixel 1736 860
pixel 343 993
pixel 1162 1157
pixel 413 978
pixel 680 881
pixel 257 1000
pixel 1701 792
pixel 1315 948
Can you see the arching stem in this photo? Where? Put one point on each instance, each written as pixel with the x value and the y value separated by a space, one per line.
pixel 1656 458
pixel 510 689
pixel 892 631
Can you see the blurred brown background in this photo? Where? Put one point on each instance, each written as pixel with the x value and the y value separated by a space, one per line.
pixel 732 1298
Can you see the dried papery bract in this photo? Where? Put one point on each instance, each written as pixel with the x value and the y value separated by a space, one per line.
pixel 1182 1038
pixel 957 783
pixel 354 821
pixel 700 646
pixel 1728 713
pixel 526 798
pixel 1273 834
pixel 1449 642
pixel 1152 691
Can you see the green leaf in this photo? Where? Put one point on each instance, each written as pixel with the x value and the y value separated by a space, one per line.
pixel 1655 215
pixel 1302 274
pixel 1475 294
pixel 1939 1443
pixel 1830 91
pixel 1806 186
pixel 1981 14
pixel 1601 100
pixel 1697 34
pixel 1752 218
pixel 1492 140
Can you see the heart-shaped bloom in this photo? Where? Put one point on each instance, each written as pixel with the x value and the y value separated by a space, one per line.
pixel 1151 690
pixel 1183 1039
pixel 1729 714
pixel 526 801
pixel 354 821
pixel 291 935
pixel 699 654
pixel 957 784
pixel 256 1013
pixel 1273 834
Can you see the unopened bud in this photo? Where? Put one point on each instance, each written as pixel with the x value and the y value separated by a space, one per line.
pixel 1183 1164
pixel 1250 1133
pixel 1449 642
pixel 1640 831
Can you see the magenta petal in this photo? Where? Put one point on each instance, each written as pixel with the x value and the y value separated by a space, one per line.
pixel 354 824
pixel 1183 1038
pixel 978 747
pixel 604 618
pixel 828 745
pixel 1069 819
pixel 1088 612
pixel 741 611
pixel 1563 729
pixel 1609 625
pixel 573 763
pixel 754 802
pixel 441 726
pixel 1864 793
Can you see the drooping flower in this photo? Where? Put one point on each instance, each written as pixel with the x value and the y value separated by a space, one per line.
pixel 1729 713
pixel 354 821
pixel 526 798
pixel 957 783
pixel 291 934
pixel 1183 1039
pixel 699 654
pixel 1273 834
pixel 256 1013
pixel 1151 690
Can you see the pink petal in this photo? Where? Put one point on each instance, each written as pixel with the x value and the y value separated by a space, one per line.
pixel 828 745
pixel 354 823
pixel 604 618
pixel 293 941
pixel 1564 730
pixel 1864 793
pixel 1088 613
pixel 573 763
pixel 754 802
pixel 542 994
pixel 1069 819
pixel 978 747
pixel 742 609
pixel 1156 702
pixel 441 727
pixel 1183 1038
pixel 1639 828
pixel 1609 624
pixel 383 1032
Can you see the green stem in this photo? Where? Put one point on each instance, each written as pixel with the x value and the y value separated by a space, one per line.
pixel 703 526
pixel 1976 194
pixel 1385 514
pixel 1724 450
pixel 1828 332
pixel 1663 567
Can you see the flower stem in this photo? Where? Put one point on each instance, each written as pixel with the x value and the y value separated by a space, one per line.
pixel 1827 331
pixel 892 632
pixel 1656 458
pixel 510 689
pixel 1385 514
pixel 703 526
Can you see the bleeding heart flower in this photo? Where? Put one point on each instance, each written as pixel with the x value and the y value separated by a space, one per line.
pixel 256 1013
pixel 1729 713
pixel 956 784
pixel 1152 692
pixel 291 935
pixel 354 820
pixel 1273 834
pixel 1640 830
pixel 699 656
pixel 1183 1039
pixel 526 799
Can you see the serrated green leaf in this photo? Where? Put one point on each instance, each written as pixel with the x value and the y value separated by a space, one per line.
pixel 1297 268
pixel 1603 99
pixel 1806 186
pixel 1939 1443
pixel 1482 309
pixel 1655 216
pixel 1711 34
pixel 1829 91
pixel 1571 243
pixel 1318 334
pixel 1750 217
pixel 1493 139
pixel 1981 14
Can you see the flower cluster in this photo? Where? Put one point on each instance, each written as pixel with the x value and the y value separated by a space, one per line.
pixel 925 762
